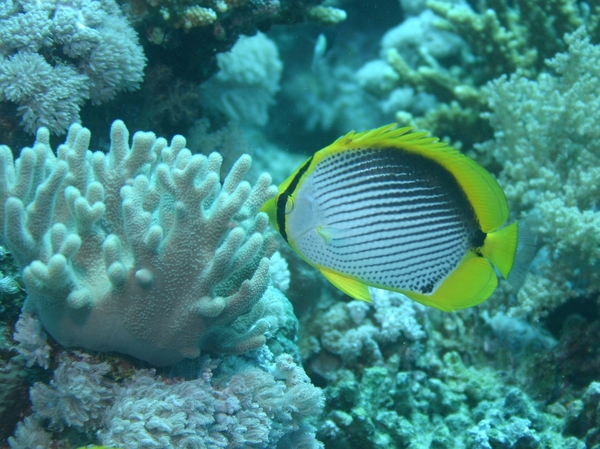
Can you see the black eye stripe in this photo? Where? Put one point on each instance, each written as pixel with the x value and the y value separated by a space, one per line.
pixel 282 199
pixel 281 202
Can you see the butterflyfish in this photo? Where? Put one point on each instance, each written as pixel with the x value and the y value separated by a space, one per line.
pixel 399 210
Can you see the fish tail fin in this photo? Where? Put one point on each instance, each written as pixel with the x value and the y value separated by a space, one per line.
pixel 526 250
pixel 511 250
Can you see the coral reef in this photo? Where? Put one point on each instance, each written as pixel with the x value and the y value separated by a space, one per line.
pixel 56 54
pixel 76 397
pixel 32 341
pixel 424 411
pixel 140 250
pixel 232 403
pixel 431 76
pixel 247 80
pixel 424 379
pixel 149 249
pixel 246 406
pixel 553 119
pixel 193 32
pixel 349 333
pixel 582 419
pixel 30 435
pixel 331 100
pixel 14 379
pixel 167 102
pixel 511 36
pixel 227 19
pixel 433 64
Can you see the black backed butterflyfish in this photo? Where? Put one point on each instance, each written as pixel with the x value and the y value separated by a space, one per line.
pixel 398 210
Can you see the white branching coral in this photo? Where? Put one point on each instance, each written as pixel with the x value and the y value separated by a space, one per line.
pixel 56 54
pixel 141 250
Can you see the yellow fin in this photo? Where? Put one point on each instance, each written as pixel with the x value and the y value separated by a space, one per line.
pixel 500 248
pixel 270 208
pixel 351 287
pixel 511 250
pixel 471 283
pixel 482 189
pixel 383 137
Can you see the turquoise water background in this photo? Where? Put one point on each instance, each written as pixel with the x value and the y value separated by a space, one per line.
pixel 292 362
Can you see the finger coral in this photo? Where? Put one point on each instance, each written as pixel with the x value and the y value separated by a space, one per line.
pixel 142 250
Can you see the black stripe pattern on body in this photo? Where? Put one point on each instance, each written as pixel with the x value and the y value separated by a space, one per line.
pixel 389 217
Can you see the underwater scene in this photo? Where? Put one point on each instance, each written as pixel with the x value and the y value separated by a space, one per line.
pixel 300 224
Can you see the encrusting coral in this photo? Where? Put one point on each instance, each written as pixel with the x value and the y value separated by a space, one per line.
pixel 141 250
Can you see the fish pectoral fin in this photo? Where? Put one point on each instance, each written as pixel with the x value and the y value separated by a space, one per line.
pixel 325 233
pixel 351 287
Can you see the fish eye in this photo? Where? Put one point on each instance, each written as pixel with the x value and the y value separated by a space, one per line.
pixel 289 205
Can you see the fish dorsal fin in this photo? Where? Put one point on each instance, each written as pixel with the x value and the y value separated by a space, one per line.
pixel 482 190
pixel 351 287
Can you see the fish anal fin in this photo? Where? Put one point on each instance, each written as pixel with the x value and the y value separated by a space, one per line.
pixel 351 287
pixel 471 283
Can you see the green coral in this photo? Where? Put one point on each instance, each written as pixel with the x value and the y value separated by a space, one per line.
pixel 504 37
pixel 459 407
pixel 510 36
pixel 469 381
